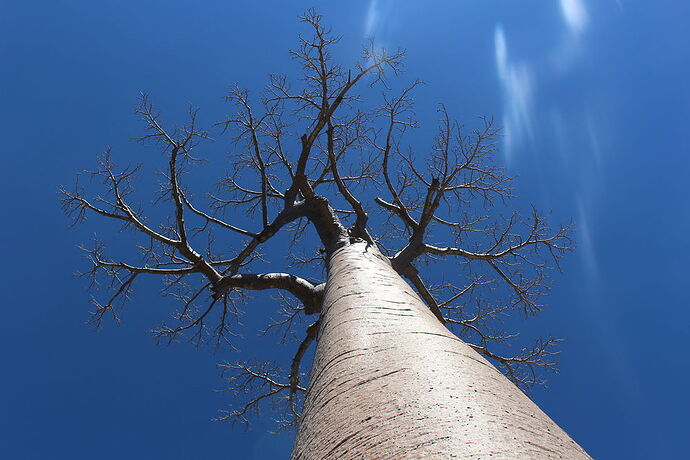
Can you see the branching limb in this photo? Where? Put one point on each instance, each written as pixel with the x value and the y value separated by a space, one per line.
pixel 215 220
pixel 179 145
pixel 289 314
pixel 261 381
pixel 297 361
pixel 525 368
pixel 311 295
pixel 250 126
pixel 330 87
pixel 399 211
pixel 100 262
pixel 557 242
pixel 393 110
pixel 360 227
pixel 460 169
pixel 122 291
pixel 513 256
pixel 284 217
pixel 460 292
pixel 412 274
pixel 264 383
pixel 118 185
pixel 173 255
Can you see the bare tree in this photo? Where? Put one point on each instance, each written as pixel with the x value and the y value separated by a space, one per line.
pixel 388 378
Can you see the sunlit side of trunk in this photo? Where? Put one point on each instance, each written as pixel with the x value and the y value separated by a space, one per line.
pixel 390 381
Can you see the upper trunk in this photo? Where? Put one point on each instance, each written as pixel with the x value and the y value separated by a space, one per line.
pixel 390 381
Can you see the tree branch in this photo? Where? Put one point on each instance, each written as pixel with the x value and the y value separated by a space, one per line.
pixel 412 274
pixel 310 294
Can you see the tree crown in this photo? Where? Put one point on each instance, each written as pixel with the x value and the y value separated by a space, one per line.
pixel 311 154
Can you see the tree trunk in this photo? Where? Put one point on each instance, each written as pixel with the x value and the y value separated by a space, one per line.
pixel 390 381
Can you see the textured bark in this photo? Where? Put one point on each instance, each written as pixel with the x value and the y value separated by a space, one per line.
pixel 390 381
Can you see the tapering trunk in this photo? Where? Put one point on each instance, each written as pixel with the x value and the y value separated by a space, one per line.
pixel 390 381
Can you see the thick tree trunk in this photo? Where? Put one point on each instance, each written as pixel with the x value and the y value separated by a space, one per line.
pixel 390 381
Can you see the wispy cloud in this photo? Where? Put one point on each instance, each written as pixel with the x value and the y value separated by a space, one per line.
pixel 378 22
pixel 517 83
pixel 574 127
pixel 593 137
pixel 520 78
pixel 586 246
pixel 501 50
pixel 574 14
pixel 372 19
pixel 576 19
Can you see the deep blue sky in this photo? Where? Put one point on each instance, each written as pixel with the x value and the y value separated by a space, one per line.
pixel 595 99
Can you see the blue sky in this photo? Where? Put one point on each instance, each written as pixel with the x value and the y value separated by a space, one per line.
pixel 595 101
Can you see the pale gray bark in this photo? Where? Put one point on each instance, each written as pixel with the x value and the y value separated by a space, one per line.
pixel 390 381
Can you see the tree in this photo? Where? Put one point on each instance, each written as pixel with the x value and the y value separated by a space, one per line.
pixel 388 378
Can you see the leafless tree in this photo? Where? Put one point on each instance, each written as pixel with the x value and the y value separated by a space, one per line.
pixel 313 155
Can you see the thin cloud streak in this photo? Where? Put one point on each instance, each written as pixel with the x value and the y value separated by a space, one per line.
pixel 519 78
pixel 576 19
pixel 372 19
pixel 575 15
pixel 586 247
pixel 523 110
pixel 377 23
pixel 517 83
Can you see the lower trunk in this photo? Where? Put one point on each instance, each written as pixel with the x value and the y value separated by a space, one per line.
pixel 390 381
